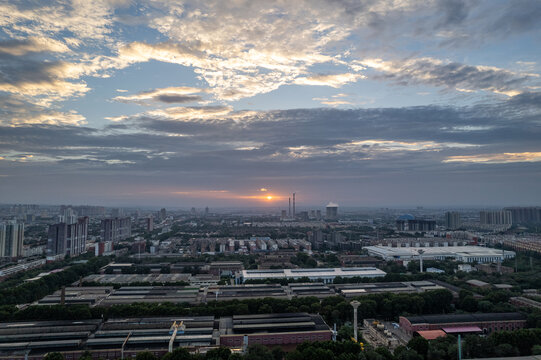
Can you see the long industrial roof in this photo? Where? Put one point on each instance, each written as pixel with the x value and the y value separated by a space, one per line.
pixel 313 273
pixel 388 251
pixel 465 318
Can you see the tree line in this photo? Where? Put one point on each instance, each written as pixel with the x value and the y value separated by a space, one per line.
pixel 334 309
pixel 31 291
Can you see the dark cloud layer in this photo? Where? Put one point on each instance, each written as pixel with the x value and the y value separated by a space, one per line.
pixel 364 146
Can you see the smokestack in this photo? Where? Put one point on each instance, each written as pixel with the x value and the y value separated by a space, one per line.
pixel 289 213
pixel 293 204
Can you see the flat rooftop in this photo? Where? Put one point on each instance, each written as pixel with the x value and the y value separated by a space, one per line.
pixel 272 323
pixel 352 290
pixel 465 318
pixel 314 273
pixel 387 251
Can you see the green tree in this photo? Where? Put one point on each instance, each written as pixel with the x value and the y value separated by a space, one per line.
pixel 221 353
pixel 420 345
pixel 54 356
pixel 469 304
pixel 145 355
pixel 87 355
pixel 258 352
pixel 179 353
pixel 345 332
pixel 277 353
pixel 506 350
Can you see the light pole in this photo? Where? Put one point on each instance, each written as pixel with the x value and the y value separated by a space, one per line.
pixel 355 305
pixel 421 252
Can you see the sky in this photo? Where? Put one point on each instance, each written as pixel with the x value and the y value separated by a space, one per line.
pixel 240 103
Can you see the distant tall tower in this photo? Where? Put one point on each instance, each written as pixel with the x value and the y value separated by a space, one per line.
pixel 289 211
pixel 293 204
pixel 331 211
pixel 163 214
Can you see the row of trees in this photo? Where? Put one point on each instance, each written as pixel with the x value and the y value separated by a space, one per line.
pixel 35 290
pixel 334 309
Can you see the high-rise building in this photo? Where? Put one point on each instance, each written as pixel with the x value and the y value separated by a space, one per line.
pixel 149 223
pixel 117 212
pixel 331 211
pixel 11 239
pixel 498 217
pixel 163 214
pixel 115 229
pixel 408 222
pixel 525 215
pixel 68 216
pixel 67 239
pixel 452 220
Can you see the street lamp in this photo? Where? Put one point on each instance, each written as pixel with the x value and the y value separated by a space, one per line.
pixel 355 305
pixel 421 252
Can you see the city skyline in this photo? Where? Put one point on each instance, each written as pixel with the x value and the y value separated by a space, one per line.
pixel 242 103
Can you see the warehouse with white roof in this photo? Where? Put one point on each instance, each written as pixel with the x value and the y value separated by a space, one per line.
pixel 325 275
pixel 467 254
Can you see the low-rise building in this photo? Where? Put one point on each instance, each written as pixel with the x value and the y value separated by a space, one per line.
pixel 326 275
pixel 467 254
pixel 225 268
pixel 272 329
pixel 486 322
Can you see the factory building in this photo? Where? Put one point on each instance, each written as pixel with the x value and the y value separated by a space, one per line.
pixel 409 287
pixel 125 337
pixel 467 254
pixel 463 323
pixel 327 275
pixel 273 329
pixel 225 268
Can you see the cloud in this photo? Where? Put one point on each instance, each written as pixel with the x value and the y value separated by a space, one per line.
pixel 452 75
pixel 208 148
pixel 190 113
pixel 51 117
pixel 88 19
pixel 32 45
pixel 335 80
pixel 502 158
pixel 44 81
pixel 166 95
pixel 15 110
pixel 332 102
pixel 370 149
